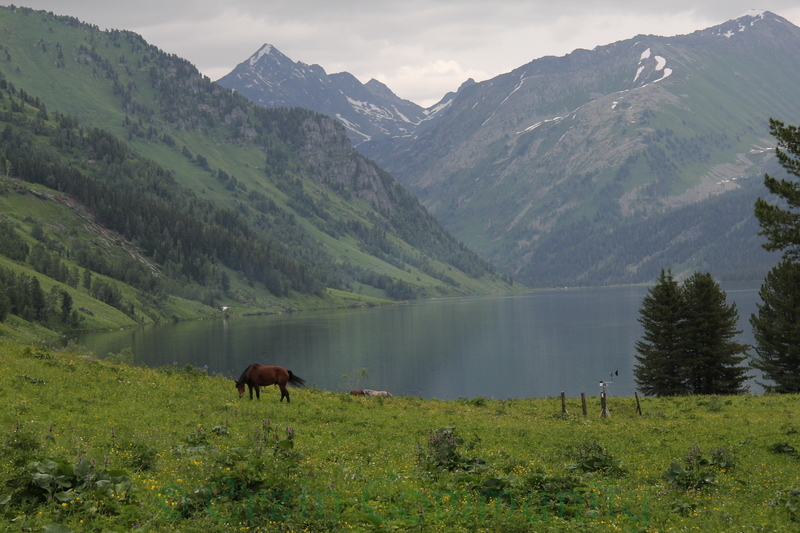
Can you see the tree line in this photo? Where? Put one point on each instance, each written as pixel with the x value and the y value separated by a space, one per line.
pixel 22 295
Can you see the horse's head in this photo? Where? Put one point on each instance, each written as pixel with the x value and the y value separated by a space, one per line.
pixel 240 388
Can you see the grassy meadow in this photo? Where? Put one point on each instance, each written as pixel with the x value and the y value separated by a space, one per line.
pixel 99 445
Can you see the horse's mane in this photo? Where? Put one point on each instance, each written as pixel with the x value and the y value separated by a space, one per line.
pixel 243 377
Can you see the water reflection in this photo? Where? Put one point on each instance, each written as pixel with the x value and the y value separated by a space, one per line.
pixel 533 345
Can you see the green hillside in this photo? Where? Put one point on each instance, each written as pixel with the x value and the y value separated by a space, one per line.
pixel 122 165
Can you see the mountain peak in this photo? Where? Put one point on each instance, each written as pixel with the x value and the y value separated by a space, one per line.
pixel 753 20
pixel 753 13
pixel 369 110
pixel 379 89
pixel 266 49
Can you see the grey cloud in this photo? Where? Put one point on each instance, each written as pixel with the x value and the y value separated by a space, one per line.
pixel 395 39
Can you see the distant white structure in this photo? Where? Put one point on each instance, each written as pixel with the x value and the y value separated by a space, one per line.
pixel 225 308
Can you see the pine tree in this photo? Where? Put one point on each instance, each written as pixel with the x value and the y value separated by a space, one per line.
pixel 688 345
pixel 777 328
pixel 782 226
pixel 712 355
pixel 660 371
pixel 777 325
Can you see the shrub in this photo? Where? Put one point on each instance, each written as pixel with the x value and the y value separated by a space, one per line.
pixel 563 495
pixel 124 357
pixel 188 370
pixel 478 401
pixel 783 448
pixel 441 453
pixel 592 457
pixel 788 499
pixel 58 481
pixel 697 472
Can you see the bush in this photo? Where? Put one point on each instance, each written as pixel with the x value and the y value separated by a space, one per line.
pixel 783 448
pixel 188 370
pixel 697 472
pixel 441 453
pixel 58 481
pixel 592 457
pixel 124 357
pixel 788 499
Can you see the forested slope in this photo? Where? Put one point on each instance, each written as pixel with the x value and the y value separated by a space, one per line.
pixel 211 198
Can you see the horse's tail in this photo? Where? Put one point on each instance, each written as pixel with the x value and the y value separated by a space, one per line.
pixel 296 380
pixel 241 381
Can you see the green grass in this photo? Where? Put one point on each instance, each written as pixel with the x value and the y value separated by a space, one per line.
pixel 174 449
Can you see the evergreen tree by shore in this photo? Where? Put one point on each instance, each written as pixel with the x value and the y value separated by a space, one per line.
pixel 688 344
pixel 776 326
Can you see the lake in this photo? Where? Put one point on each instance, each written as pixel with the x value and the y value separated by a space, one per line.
pixel 531 345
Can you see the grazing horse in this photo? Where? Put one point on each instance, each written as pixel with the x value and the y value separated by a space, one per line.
pixel 357 393
pixel 380 393
pixel 256 376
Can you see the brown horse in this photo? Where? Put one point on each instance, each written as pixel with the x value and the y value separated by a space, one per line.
pixel 256 376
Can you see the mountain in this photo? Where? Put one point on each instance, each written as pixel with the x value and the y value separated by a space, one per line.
pixel 605 165
pixel 130 180
pixel 369 111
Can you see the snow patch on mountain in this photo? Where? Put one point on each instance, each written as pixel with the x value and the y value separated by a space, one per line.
pixel 728 32
pixel 403 117
pixel 667 74
pixel 755 13
pixel 660 66
pixel 531 128
pixel 264 50
pixel 369 109
pixel 430 112
pixel 517 88
pixel 352 127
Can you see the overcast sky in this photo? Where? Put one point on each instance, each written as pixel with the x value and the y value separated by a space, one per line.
pixel 421 49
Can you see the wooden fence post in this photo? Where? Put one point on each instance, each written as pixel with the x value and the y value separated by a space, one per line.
pixel 583 403
pixel 563 404
pixel 638 407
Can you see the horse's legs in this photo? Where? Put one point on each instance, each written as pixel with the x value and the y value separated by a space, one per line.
pixel 284 392
pixel 250 387
pixel 258 392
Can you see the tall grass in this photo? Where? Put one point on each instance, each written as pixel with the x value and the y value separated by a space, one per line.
pixel 97 445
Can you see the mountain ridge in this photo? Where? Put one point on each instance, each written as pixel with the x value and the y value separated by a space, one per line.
pixel 228 202
pixel 644 125
pixel 530 166
pixel 368 111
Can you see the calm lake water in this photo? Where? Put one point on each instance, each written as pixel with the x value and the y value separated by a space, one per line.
pixel 533 345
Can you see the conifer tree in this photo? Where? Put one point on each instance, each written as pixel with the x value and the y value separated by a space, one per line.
pixel 782 226
pixel 777 328
pixel 660 371
pixel 688 345
pixel 713 357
